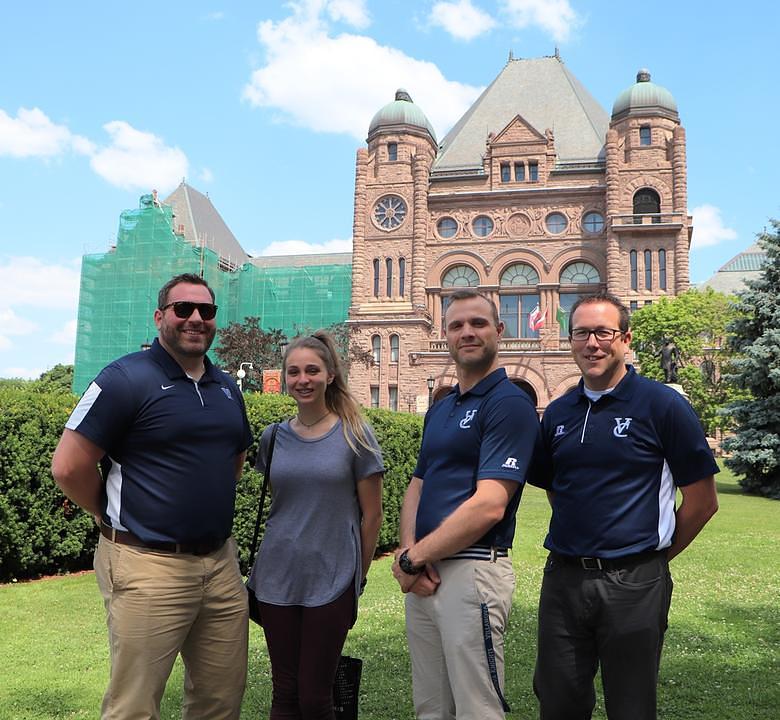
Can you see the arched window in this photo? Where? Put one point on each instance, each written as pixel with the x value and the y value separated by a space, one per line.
pixel 376 277
pixel 519 298
pixel 401 276
pixel 648 270
pixel 646 202
pixel 633 268
pixel 394 348
pixel 389 270
pixel 575 274
pixel 376 349
pixel 662 269
pixel 460 276
pixel 580 273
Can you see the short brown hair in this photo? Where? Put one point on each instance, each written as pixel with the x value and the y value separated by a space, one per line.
pixel 467 294
pixel 624 322
pixel 190 278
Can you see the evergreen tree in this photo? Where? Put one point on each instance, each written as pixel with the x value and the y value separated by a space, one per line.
pixel 755 447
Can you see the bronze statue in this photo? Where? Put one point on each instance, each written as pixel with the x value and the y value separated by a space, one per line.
pixel 670 361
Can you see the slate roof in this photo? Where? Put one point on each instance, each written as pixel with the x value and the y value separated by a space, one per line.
pixel 545 94
pixel 203 225
pixel 731 277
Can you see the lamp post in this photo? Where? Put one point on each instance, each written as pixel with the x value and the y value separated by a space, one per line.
pixel 431 381
pixel 241 374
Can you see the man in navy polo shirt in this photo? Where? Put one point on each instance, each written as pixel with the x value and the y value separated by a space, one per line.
pixel 617 448
pixel 170 433
pixel 458 522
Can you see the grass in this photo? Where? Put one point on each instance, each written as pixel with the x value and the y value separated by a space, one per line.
pixel 721 657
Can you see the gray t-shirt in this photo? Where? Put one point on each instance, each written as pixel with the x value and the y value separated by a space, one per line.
pixel 310 551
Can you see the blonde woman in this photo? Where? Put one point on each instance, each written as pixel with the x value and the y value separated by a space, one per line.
pixel 321 532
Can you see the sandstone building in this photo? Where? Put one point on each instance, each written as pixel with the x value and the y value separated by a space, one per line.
pixel 535 197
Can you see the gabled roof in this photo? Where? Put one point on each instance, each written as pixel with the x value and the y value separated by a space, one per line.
pixel 203 225
pixel 546 95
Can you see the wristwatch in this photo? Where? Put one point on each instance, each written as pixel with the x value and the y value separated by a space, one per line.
pixel 406 564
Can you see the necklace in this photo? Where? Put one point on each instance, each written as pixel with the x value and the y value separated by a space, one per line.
pixel 308 425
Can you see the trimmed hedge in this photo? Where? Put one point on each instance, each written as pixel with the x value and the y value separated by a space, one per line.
pixel 41 532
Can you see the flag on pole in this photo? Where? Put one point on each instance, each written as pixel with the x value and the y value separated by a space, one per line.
pixel 535 319
pixel 563 320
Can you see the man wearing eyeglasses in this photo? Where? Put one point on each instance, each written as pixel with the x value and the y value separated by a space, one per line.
pixel 170 433
pixel 618 447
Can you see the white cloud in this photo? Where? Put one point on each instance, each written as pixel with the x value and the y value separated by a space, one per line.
pixel 336 84
pixel 205 175
pixel 301 247
pixel 66 335
pixel 461 19
pixel 11 325
pixel 708 227
pixel 353 12
pixel 32 134
pixel 215 16
pixel 556 17
pixel 138 160
pixel 27 281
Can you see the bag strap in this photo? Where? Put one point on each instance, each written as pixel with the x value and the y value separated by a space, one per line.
pixel 266 478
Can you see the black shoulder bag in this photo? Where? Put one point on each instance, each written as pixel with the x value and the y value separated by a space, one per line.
pixel 254 605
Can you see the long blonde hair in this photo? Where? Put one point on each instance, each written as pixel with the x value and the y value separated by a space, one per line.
pixel 338 397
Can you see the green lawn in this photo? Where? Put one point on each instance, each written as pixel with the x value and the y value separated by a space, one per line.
pixel 721 658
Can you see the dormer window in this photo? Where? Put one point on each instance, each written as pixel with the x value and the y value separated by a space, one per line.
pixel 533 170
pixel 505 173
pixel 392 151
pixel 519 172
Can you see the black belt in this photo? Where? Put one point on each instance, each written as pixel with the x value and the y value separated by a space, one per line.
pixel 203 547
pixel 480 552
pixel 618 563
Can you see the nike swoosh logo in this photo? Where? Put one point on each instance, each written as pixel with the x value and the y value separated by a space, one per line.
pixel 166 387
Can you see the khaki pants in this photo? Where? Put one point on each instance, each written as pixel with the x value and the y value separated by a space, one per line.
pixel 451 675
pixel 161 604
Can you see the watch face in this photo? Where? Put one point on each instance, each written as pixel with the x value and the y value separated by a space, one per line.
pixel 389 212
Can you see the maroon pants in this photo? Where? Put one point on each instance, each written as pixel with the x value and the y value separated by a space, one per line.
pixel 304 645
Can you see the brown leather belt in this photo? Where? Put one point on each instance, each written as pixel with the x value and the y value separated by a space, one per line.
pixel 123 537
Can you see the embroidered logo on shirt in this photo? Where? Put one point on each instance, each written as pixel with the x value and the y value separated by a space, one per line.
pixel 621 427
pixel 227 393
pixel 510 463
pixel 559 431
pixel 166 387
pixel 465 423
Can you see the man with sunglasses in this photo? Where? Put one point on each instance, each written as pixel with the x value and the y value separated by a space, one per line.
pixel 170 433
pixel 618 447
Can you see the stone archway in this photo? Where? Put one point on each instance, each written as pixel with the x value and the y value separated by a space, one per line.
pixel 528 389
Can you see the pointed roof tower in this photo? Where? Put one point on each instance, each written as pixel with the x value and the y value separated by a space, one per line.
pixel 195 217
pixel 547 96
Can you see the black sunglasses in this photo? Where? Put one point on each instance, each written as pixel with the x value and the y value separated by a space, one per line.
pixel 183 309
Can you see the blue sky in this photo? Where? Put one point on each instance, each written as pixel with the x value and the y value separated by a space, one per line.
pixel 263 105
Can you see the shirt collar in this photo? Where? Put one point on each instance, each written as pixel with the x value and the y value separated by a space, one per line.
pixel 484 385
pixel 621 390
pixel 173 370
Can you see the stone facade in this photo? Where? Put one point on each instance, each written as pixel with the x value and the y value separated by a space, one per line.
pixel 528 223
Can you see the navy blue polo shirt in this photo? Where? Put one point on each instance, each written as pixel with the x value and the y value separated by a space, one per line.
pixel 171 445
pixel 614 465
pixel 488 432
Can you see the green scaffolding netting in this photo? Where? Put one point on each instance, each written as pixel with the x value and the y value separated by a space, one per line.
pixel 119 290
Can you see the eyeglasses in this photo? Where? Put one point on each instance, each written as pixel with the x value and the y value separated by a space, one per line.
pixel 183 309
pixel 602 335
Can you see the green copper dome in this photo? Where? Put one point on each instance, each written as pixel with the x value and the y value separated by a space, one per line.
pixel 402 111
pixel 644 96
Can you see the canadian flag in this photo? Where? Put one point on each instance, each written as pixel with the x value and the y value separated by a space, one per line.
pixel 535 319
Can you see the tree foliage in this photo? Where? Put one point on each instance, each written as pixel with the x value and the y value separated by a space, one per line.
pixel 755 447
pixel 247 342
pixel 696 322
pixel 57 380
